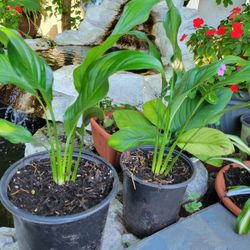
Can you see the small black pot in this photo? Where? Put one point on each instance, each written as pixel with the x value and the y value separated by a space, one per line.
pixel 230 121
pixel 78 231
pixel 149 207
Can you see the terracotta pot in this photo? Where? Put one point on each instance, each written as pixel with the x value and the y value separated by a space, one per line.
pixel 221 190
pixel 100 138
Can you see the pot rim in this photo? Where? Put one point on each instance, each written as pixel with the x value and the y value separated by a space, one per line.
pixel 154 185
pixel 220 187
pixel 243 119
pixel 49 220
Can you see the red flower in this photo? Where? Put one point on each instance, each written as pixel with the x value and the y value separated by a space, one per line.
pixel 237 26
pixel 197 22
pixel 221 30
pixel 210 32
pixel 236 10
pixel 236 33
pixel 234 88
pixel 183 37
pixel 19 9
pixel 237 30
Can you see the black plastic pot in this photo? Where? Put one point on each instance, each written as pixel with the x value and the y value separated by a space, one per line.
pixel 78 231
pixel 245 128
pixel 230 121
pixel 149 207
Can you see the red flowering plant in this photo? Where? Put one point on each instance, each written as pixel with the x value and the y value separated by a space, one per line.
pixel 12 10
pixel 231 37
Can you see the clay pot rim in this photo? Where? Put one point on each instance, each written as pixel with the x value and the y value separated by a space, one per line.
pixel 220 188
pixel 99 128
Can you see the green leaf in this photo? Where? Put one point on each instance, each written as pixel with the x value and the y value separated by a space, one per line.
pixel 131 137
pixel 130 118
pixel 92 112
pixel 204 115
pixel 8 75
pixel 14 133
pixel 135 13
pixel 239 144
pixel 95 81
pixel 205 141
pixel 237 77
pixel 243 221
pixel 156 112
pixel 214 162
pixel 152 48
pixel 172 24
pixel 32 70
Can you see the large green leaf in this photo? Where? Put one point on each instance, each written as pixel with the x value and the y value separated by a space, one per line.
pixel 130 118
pixel 135 13
pixel 204 115
pixel 131 137
pixel 32 70
pixel 239 144
pixel 206 142
pixel 156 112
pixel 243 221
pixel 14 133
pixel 8 75
pixel 95 81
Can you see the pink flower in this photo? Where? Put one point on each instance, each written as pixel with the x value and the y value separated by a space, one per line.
pixel 222 70
pixel 238 67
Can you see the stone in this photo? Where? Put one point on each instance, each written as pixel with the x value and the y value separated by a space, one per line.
pixel 7 239
pixel 93 28
pixel 210 229
pixel 199 184
pixel 38 44
pixel 213 13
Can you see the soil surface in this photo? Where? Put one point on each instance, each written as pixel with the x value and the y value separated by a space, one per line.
pixel 140 163
pixel 33 189
pixel 236 177
pixel 110 130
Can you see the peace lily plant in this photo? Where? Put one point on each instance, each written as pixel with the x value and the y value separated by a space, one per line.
pixel 178 117
pixel 20 66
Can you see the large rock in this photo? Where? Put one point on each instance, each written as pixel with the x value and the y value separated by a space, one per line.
pixel 124 87
pixel 93 28
pixel 213 13
pixel 7 239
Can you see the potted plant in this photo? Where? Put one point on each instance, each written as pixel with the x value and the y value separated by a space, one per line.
pixel 210 44
pixel 47 223
pixel 232 185
pixel 103 126
pixel 154 171
pixel 21 15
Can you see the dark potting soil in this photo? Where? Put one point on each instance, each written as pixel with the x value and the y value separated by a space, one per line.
pixel 110 130
pixel 33 189
pixel 140 163
pixel 237 177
